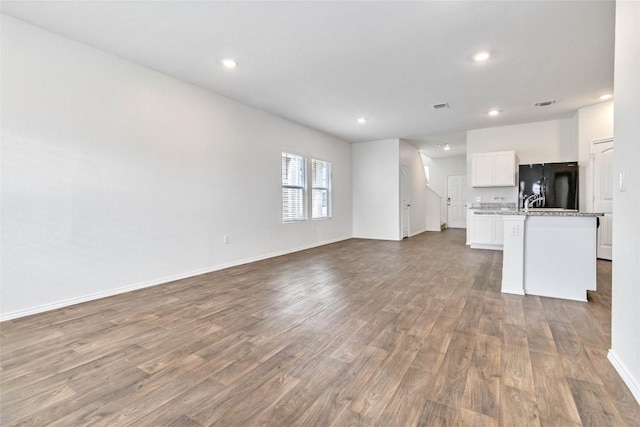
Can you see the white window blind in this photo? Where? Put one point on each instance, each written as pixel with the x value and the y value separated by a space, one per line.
pixel 294 185
pixel 320 189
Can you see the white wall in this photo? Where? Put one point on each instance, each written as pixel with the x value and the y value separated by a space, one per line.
pixel 376 189
pixel 594 123
pixel 625 321
pixel 441 168
pixel 410 157
pixel 434 210
pixel 539 142
pixel 115 176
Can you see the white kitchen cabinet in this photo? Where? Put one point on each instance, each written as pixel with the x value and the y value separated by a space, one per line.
pixel 496 169
pixel 482 166
pixel 487 231
pixel 481 231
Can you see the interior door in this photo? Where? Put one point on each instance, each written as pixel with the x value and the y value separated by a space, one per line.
pixel 602 193
pixel 405 192
pixel 456 201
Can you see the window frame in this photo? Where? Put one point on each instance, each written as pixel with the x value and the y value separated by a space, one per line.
pixel 304 216
pixel 327 189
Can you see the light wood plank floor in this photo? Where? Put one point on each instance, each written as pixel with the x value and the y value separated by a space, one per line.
pixel 359 332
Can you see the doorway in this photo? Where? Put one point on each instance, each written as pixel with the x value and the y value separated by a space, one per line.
pixel 456 201
pixel 405 191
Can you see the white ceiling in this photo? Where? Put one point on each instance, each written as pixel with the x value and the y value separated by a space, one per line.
pixel 324 64
pixel 434 145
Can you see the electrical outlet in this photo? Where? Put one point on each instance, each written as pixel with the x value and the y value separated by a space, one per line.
pixel 478 199
pixel 622 183
pixel 514 230
pixel 225 239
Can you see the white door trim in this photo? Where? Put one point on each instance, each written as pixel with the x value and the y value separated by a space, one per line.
pixel 456 209
pixel 405 201
pixel 604 242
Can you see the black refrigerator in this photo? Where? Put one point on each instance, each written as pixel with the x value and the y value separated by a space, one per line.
pixel 554 184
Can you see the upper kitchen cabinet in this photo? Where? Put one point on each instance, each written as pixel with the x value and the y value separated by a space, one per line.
pixel 497 169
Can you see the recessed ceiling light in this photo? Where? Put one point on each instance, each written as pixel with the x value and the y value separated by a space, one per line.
pixel 362 120
pixel 481 56
pixel 229 63
pixel 446 147
pixel 606 97
pixel 494 112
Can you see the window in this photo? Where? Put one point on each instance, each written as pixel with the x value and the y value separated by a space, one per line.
pixel 320 189
pixel 294 186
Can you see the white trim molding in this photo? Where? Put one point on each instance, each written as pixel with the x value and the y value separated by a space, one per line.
pixel 624 374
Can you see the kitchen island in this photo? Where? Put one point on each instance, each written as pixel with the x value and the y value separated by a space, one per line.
pixel 549 253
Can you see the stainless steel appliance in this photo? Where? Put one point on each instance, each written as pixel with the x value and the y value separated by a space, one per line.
pixel 553 185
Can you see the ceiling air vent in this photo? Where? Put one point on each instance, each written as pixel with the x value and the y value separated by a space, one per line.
pixel 442 106
pixel 545 103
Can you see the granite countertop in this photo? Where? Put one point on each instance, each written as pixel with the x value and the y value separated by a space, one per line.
pixel 535 212
pixel 497 212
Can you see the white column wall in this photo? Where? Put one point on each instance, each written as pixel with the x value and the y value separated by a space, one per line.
pixel 376 189
pixel 625 319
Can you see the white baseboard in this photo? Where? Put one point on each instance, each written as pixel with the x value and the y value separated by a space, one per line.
pixel 487 246
pixel 418 232
pixel 624 373
pixel 111 292
pixel 512 291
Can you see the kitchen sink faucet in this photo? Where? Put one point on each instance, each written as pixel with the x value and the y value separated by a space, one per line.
pixel 529 201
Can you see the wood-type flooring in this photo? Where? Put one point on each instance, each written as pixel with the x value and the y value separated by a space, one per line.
pixel 359 332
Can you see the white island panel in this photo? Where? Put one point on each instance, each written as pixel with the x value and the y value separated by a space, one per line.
pixel 513 255
pixel 560 256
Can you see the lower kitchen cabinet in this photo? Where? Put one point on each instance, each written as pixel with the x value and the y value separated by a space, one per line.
pixel 487 231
